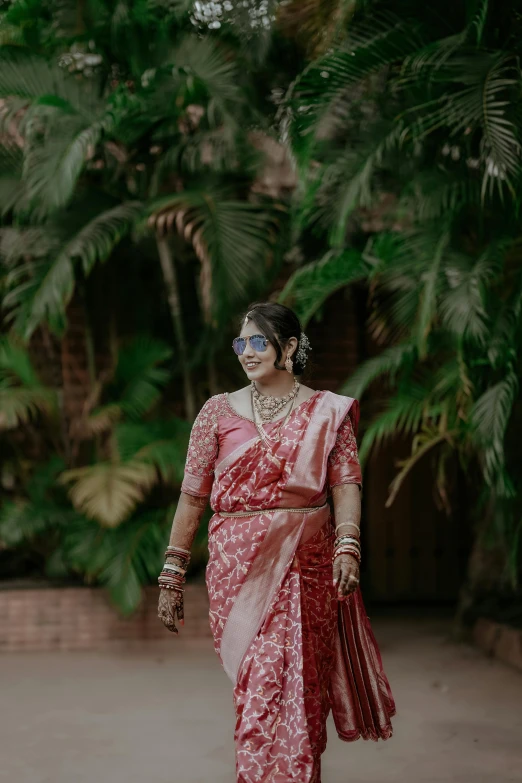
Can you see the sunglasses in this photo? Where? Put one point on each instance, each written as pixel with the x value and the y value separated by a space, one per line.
pixel 257 341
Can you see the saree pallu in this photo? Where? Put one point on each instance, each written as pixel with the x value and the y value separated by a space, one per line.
pixel 292 651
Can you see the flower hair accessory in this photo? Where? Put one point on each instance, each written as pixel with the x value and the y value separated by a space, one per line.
pixel 303 349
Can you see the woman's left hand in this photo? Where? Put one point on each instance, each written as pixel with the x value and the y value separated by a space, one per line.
pixel 345 575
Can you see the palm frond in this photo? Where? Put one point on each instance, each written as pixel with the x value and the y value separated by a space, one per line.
pixel 22 395
pixel 434 194
pixel 19 406
pixel 429 294
pixel 140 376
pixel 370 46
pixel 109 492
pixel 98 238
pixel 205 60
pixel 311 285
pixel 478 16
pixel 490 417
pixel 52 169
pixel 347 183
pixel 161 443
pixel 124 559
pixel 16 244
pixel 32 78
pixel 23 521
pixel 405 269
pixel 232 239
pixel 463 308
pixel 50 283
pixel 391 361
pixel 474 95
pixel 403 415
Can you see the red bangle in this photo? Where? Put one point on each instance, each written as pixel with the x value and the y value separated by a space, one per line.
pixel 345 551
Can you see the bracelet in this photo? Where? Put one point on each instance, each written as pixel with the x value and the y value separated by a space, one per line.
pixel 177 562
pixel 167 576
pixel 348 544
pixel 346 539
pixel 171 548
pixel 175 569
pixel 350 554
pixel 172 575
pixel 347 551
pixel 169 587
pixel 345 524
pixel 167 579
pixel 178 556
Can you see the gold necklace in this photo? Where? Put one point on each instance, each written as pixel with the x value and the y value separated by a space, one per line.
pixel 268 406
pixel 267 439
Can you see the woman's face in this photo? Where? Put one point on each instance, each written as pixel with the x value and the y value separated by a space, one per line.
pixel 258 366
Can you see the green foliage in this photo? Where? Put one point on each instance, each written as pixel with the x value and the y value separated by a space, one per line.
pixel 22 395
pixel 112 113
pixel 102 529
pixel 408 139
pixel 39 289
pixel 134 126
pixel 310 286
pixel 123 559
pixel 232 239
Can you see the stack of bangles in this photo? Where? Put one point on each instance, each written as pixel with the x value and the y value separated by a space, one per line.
pixel 347 545
pixel 172 576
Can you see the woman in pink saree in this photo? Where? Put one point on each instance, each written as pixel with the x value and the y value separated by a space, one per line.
pixel 286 612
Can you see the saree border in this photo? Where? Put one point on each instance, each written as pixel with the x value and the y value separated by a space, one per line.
pixel 262 583
pixel 234 455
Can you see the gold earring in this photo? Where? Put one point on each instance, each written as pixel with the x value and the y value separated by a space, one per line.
pixel 289 364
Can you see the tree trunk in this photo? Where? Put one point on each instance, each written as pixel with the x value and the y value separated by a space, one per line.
pixel 168 268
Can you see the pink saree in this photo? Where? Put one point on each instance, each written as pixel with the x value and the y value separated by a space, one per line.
pixel 292 651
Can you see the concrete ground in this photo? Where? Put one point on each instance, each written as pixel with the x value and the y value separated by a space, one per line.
pixel 163 714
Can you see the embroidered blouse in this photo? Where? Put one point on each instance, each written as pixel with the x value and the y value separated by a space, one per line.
pixel 207 437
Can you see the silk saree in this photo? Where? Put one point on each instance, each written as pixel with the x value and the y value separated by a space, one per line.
pixel 292 651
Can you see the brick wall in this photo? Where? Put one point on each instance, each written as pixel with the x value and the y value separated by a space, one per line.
pixel 81 618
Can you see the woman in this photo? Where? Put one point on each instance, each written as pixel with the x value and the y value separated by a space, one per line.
pixel 285 609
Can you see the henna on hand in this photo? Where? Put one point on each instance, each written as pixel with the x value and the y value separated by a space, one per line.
pixel 170 606
pixel 186 521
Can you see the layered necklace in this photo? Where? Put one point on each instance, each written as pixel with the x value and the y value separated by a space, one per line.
pixel 266 407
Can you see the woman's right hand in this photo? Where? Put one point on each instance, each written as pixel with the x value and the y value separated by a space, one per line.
pixel 170 607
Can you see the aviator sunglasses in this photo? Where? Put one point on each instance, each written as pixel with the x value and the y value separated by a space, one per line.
pixel 257 341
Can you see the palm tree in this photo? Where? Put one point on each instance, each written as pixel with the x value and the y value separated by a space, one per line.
pixel 126 138
pixel 160 131
pixel 407 138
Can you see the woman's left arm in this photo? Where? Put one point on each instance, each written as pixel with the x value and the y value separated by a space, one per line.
pixel 345 480
pixel 347 512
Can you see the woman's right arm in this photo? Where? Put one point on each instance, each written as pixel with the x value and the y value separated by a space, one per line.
pixel 195 491
pixel 184 528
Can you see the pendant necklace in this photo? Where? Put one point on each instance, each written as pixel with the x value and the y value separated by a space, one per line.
pixel 268 406
pixel 267 439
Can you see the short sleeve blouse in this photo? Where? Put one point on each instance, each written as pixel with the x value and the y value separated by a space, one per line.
pixel 343 460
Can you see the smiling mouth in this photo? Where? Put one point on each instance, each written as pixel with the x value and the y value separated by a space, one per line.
pixel 251 365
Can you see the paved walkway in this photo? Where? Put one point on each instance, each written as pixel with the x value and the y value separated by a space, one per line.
pixel 163 714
